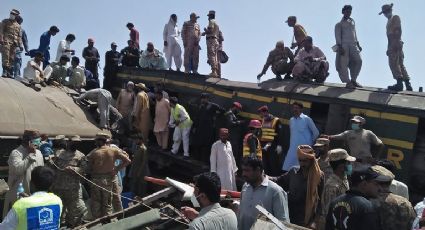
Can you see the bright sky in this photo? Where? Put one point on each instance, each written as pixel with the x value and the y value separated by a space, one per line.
pixel 250 28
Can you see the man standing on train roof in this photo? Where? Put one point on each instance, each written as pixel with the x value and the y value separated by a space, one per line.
pixel 360 141
pixel 271 141
pixel 191 34
pixel 395 50
pixel 44 46
pixel 172 48
pixel 112 58
pixel 281 59
pixel 212 33
pixel 134 34
pixel 92 57
pixel 10 40
pixel 299 33
pixel 348 49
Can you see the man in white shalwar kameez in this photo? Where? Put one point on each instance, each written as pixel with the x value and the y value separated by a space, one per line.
pixel 172 48
pixel 223 162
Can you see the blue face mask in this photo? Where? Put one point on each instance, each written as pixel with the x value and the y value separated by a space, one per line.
pixel 348 169
pixel 36 142
pixel 355 126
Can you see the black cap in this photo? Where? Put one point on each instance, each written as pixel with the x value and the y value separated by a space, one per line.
pixel 363 173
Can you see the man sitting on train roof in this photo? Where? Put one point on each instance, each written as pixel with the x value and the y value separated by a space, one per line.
pixel 310 63
pixel 278 59
pixel 360 141
pixel 152 59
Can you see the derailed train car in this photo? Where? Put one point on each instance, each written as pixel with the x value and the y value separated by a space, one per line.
pixel 398 119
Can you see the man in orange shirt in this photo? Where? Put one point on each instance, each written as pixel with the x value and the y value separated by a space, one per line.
pixel 299 33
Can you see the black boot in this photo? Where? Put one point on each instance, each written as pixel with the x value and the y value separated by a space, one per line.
pixel 408 85
pixel 278 77
pixel 398 86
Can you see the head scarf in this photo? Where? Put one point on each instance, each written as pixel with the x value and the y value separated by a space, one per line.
pixel 314 174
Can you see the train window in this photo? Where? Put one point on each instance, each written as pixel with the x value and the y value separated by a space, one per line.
pixel 319 114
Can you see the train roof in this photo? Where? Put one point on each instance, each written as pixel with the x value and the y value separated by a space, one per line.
pixel 51 110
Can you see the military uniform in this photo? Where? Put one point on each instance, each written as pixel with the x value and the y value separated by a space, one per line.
pixel 212 35
pixel 278 60
pixel 10 32
pixel 395 49
pixel 191 34
pixel 68 187
pixel 395 212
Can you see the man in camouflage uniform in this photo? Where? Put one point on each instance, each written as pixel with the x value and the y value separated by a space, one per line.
pixel 191 34
pixel 395 50
pixel 67 182
pixel 101 163
pixel 395 212
pixel 299 33
pixel 278 59
pixel 321 148
pixel 336 184
pixel 10 40
pixel 212 34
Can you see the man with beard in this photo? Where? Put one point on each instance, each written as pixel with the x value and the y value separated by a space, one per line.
pixel 259 190
pixel 67 182
pixel 130 55
pixel 304 186
pixel 101 163
pixel 204 127
pixel 223 162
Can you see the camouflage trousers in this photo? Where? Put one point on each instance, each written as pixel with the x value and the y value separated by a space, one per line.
pixel 8 54
pixel 191 58
pixel 212 51
pixel 116 199
pixel 396 63
pixel 101 200
pixel 73 205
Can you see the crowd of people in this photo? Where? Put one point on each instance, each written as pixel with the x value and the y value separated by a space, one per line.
pixel 309 185
pixel 308 63
pixel 40 70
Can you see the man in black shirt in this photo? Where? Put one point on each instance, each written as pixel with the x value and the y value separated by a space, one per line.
pixel 92 57
pixel 353 210
pixel 112 58
pixel 130 55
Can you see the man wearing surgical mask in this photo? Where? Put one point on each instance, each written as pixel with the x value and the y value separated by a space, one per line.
pixel 360 141
pixel 212 215
pixel 21 162
pixel 337 183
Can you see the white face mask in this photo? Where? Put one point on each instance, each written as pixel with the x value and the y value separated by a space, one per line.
pixel 194 200
pixel 12 17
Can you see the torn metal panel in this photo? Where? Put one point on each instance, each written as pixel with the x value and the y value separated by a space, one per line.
pixel 132 222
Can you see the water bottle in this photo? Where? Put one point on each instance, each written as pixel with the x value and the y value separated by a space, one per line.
pixel 20 190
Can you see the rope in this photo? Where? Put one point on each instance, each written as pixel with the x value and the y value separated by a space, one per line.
pixel 117 194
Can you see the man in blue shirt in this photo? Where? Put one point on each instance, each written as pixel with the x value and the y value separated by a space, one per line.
pixel 45 43
pixel 303 131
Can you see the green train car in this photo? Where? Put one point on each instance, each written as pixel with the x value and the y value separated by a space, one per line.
pixel 398 119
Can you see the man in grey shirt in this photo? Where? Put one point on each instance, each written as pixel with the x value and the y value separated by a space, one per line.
pixel 212 216
pixel 348 49
pixel 259 190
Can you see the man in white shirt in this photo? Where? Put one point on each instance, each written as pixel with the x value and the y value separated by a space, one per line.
pixel 77 77
pixel 64 47
pixel 223 162
pixel 172 48
pixel 180 119
pixel 34 69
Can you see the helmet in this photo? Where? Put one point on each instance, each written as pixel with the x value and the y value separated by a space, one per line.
pixel 254 124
